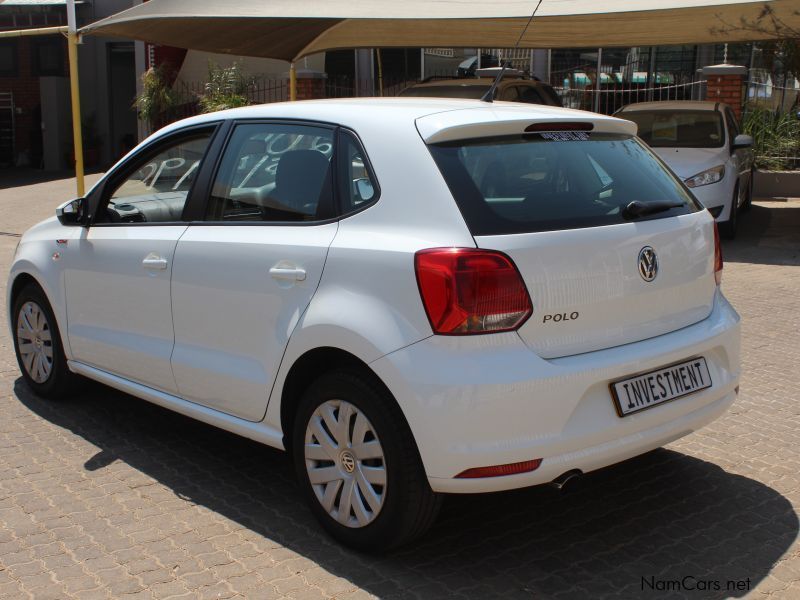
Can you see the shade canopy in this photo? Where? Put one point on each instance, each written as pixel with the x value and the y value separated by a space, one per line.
pixel 291 29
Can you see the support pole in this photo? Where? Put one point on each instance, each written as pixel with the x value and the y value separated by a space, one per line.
pixel 597 80
pixel 77 135
pixel 651 73
pixel 380 72
pixel 292 82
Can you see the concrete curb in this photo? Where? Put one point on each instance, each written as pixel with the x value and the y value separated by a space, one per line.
pixel 776 184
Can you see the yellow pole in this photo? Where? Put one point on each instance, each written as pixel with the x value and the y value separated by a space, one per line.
pixel 77 134
pixel 292 82
pixel 380 72
pixel 30 32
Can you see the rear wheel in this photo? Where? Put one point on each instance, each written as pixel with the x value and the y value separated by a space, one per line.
pixel 37 343
pixel 728 228
pixel 358 465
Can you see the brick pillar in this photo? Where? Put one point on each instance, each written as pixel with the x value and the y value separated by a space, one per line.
pixel 310 84
pixel 726 84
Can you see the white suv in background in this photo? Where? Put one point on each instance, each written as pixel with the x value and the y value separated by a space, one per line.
pixel 412 296
pixel 701 143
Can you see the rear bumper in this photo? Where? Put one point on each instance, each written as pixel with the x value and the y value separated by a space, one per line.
pixel 488 400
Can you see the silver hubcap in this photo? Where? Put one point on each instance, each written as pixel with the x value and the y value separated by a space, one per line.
pixel 35 342
pixel 345 464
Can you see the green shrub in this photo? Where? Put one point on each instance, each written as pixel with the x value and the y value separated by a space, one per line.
pixel 776 137
pixel 227 87
pixel 157 96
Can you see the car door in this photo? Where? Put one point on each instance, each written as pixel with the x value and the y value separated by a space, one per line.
pixel 742 158
pixel 117 273
pixel 242 278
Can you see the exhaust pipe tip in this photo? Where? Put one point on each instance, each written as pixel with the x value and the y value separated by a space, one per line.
pixel 566 481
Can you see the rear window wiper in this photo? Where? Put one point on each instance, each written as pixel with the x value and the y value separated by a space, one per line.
pixel 637 209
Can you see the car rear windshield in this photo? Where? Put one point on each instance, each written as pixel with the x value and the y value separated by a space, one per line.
pixel 474 92
pixel 678 128
pixel 550 181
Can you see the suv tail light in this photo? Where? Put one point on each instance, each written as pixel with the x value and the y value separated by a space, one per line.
pixel 468 291
pixel 717 256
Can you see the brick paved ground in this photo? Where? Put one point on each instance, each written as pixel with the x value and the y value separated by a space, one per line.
pixel 108 496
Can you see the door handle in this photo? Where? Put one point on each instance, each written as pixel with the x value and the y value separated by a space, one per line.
pixel 288 273
pixel 154 262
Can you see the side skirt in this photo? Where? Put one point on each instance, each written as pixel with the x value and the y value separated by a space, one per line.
pixel 258 432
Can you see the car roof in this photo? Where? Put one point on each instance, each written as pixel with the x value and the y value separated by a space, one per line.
pixel 396 115
pixel 345 111
pixel 673 105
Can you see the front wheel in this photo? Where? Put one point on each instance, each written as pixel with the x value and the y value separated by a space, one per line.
pixel 748 201
pixel 37 343
pixel 358 465
pixel 728 228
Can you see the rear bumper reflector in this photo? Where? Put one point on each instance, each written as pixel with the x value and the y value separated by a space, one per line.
pixel 501 470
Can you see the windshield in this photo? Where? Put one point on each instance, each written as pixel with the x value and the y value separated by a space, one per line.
pixel 474 92
pixel 549 181
pixel 678 128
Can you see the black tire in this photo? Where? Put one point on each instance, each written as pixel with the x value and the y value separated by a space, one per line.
pixel 728 228
pixel 60 381
pixel 409 506
pixel 748 201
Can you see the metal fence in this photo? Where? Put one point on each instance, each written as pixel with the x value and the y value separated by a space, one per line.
pixel 610 97
pixel 778 98
pixel 772 117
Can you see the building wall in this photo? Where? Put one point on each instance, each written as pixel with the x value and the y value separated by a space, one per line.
pixel 24 83
pixel 96 104
pixel 195 65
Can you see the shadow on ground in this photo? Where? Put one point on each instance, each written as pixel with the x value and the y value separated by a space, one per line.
pixel 769 233
pixel 664 515
pixel 22 176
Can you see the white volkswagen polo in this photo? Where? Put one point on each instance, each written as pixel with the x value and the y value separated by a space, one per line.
pixel 412 296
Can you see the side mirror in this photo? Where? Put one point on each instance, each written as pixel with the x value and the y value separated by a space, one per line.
pixel 72 212
pixel 742 141
pixel 365 189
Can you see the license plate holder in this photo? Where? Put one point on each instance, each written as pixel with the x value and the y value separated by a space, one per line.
pixel 653 388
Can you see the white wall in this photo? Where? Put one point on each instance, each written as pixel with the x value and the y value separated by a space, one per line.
pixel 195 65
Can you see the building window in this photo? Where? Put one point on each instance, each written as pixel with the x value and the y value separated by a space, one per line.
pixel 8 58
pixel 48 57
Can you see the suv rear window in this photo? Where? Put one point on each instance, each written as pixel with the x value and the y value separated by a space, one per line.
pixel 550 181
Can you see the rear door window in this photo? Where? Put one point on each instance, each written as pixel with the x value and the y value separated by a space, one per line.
pixel 274 172
pixel 544 182
pixel 357 184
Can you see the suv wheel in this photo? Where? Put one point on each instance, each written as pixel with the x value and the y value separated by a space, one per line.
pixel 37 343
pixel 358 465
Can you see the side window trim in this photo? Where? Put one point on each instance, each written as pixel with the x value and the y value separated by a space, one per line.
pixel 212 167
pixel 100 196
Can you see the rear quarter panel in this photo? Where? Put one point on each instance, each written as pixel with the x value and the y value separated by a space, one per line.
pixel 368 302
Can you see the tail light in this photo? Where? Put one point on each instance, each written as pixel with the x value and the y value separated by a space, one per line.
pixel 717 256
pixel 468 291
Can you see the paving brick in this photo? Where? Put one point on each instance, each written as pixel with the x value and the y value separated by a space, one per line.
pixel 106 496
